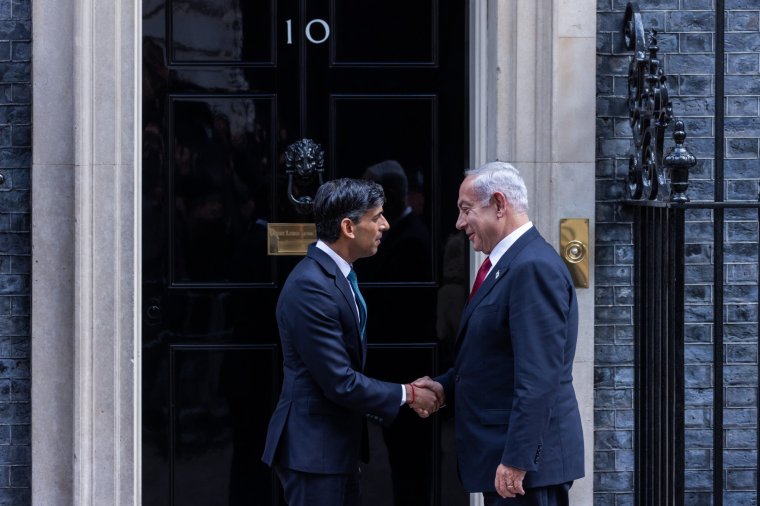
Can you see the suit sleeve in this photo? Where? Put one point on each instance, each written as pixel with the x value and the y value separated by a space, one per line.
pixel 312 322
pixel 538 318
pixel 447 382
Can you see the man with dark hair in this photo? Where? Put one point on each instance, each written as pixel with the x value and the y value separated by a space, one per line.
pixel 317 433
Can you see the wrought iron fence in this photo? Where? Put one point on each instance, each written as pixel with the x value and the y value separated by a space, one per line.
pixel 695 305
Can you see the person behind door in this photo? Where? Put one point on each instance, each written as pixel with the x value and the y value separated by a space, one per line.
pixel 405 252
pixel 519 434
pixel 317 433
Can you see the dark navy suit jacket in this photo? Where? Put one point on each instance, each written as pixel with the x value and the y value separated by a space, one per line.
pixel 512 378
pixel 318 424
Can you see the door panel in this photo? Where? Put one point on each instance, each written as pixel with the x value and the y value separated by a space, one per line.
pixel 382 32
pixel 221 148
pixel 218 430
pixel 382 127
pixel 216 31
pixel 391 459
pixel 228 86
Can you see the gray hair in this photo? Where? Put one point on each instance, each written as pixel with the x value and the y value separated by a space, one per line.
pixel 501 177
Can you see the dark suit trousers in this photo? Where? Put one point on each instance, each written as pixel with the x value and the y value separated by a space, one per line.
pixel 554 495
pixel 310 489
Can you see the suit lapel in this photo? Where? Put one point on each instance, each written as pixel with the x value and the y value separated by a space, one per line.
pixel 343 286
pixel 498 273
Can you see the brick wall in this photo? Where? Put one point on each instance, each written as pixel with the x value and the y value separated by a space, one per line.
pixel 686 37
pixel 15 163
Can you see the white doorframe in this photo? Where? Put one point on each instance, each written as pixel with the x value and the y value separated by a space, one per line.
pixel 86 82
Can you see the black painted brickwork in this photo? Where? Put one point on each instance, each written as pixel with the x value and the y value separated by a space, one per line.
pixel 15 250
pixel 686 37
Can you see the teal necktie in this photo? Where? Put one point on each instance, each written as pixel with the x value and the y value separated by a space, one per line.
pixel 359 302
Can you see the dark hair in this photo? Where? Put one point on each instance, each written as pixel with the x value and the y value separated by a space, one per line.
pixel 392 177
pixel 344 198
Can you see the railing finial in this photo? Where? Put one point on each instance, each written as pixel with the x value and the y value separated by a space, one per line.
pixel 650 112
pixel 679 161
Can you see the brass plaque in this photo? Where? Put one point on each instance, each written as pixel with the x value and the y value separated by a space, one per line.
pixel 290 238
pixel 574 248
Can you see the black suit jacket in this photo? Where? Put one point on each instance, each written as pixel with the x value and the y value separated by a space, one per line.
pixel 512 377
pixel 317 424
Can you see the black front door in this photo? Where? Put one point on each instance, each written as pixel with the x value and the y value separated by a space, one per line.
pixel 228 85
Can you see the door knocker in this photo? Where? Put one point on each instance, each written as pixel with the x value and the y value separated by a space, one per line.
pixel 304 160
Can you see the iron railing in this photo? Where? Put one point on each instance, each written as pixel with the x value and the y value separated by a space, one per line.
pixel 656 191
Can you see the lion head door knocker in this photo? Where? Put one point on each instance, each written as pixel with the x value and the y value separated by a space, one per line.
pixel 305 161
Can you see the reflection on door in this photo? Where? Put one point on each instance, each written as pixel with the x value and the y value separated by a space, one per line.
pixel 228 86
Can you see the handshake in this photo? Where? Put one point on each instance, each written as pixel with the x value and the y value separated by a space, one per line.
pixel 425 396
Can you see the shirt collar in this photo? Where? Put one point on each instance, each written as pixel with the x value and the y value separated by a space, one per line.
pixel 507 242
pixel 344 266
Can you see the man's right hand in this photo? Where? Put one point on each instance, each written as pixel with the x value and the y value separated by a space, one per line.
pixel 424 387
pixel 422 400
